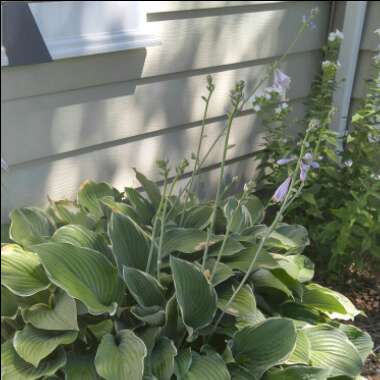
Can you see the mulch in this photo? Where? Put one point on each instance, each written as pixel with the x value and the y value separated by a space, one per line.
pixel 363 289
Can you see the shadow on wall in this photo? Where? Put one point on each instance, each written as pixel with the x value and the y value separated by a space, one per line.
pixel 101 131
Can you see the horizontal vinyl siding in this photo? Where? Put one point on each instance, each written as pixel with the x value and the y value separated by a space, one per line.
pixel 99 116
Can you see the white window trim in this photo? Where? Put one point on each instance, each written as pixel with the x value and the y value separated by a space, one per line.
pixel 100 37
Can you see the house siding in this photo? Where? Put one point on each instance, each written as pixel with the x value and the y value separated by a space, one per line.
pixel 99 116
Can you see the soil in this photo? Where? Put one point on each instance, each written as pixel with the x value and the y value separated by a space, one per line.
pixel 363 289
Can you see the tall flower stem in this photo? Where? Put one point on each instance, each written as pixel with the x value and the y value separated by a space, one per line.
pixel 236 97
pixel 267 234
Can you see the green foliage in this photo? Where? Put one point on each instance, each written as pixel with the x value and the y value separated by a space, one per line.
pixel 78 302
pixel 340 202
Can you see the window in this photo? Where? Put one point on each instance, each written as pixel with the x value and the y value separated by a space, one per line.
pixel 36 32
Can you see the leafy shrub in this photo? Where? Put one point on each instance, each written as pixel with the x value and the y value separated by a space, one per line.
pixel 118 285
pixel 340 203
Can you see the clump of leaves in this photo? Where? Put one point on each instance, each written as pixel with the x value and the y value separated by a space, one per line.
pixel 79 298
pixel 340 202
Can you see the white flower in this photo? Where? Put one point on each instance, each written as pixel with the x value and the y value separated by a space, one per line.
pixel 326 64
pixel 4 165
pixel 348 163
pixel 284 106
pixel 268 96
pixel 335 35
pixel 376 58
pixel 278 109
pixel 338 65
pixel 257 108
pixel 339 34
pixel 377 31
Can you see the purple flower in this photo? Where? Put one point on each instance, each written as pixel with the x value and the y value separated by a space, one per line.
pixel 307 163
pixel 280 194
pixel 284 161
pixel 281 80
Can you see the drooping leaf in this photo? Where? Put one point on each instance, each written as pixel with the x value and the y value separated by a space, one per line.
pixel 15 368
pixel 150 188
pixel 61 316
pixel 171 319
pixel 67 212
pixel 146 290
pixel 331 349
pixel 101 328
pixel 121 356
pixel 122 208
pixel 33 345
pixel 81 236
pixel 297 373
pixel 265 345
pixel 84 274
pixel 195 296
pixel 329 302
pixel 162 359
pixel 360 339
pixel 9 303
pixel 231 248
pixel 80 367
pixel 21 271
pixel 143 208
pixel 153 315
pixel 129 245
pixel 90 195
pixel 207 367
pixel 30 225
pixel 300 312
pixel 263 278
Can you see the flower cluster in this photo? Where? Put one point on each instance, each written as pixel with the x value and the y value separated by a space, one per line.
pixel 336 36
pixel 308 20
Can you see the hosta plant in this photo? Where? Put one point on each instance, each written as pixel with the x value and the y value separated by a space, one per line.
pixel 88 294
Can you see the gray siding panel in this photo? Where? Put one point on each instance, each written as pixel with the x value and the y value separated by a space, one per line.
pixel 99 116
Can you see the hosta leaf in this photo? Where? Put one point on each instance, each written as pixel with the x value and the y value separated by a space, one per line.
pixel 243 305
pixel 240 373
pixel 242 260
pixel 195 296
pixel 231 247
pixel 150 188
pixel 146 290
pixel 29 226
pixel 263 278
pixel 33 345
pixel 15 368
pixel 333 304
pixel 80 367
pixel 183 363
pixel 222 273
pixel 197 217
pixel 301 353
pixel 67 212
pixel 9 303
pixel 265 345
pixel 101 328
pixel 297 373
pixel 84 274
pixel 300 312
pixel 149 335
pixel 90 195
pixel 143 208
pixel 360 339
pixel 121 356
pixel 331 349
pixel 59 317
pixel 21 271
pixel 207 367
pixel 184 240
pixel 291 237
pixel 171 318
pixel 122 208
pixel 298 267
pixel 129 244
pixel 82 237
pixel 152 315
pixel 162 359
